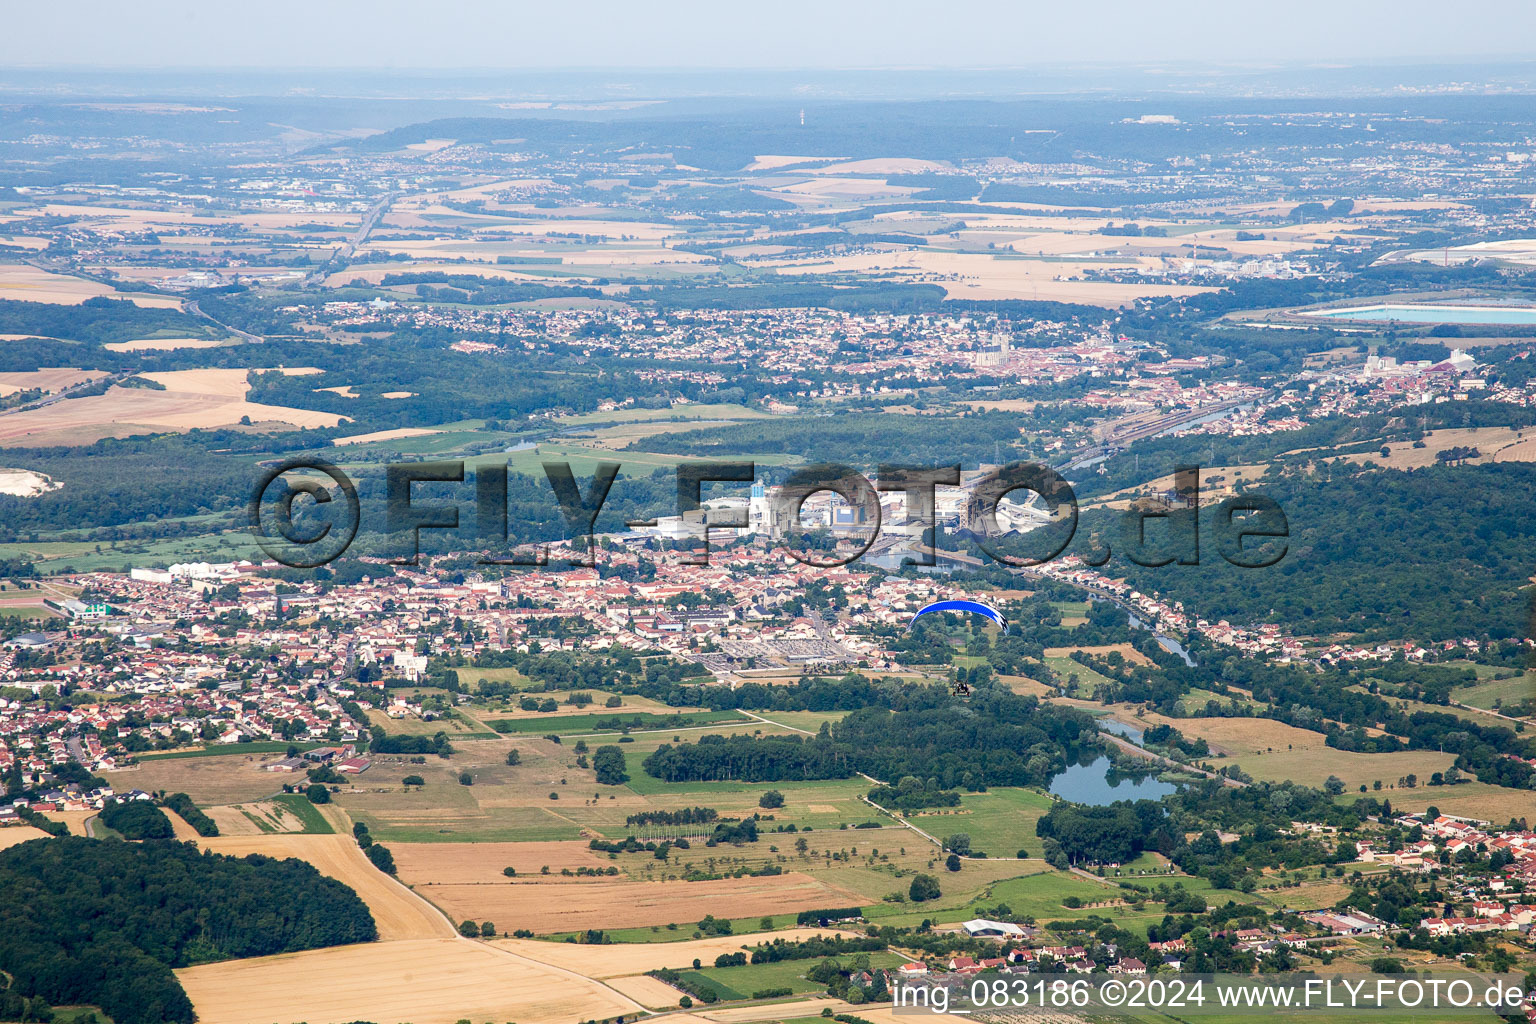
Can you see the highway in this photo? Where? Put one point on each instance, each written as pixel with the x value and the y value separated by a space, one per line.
pixel 1173 421
pixel 343 255
pixel 59 396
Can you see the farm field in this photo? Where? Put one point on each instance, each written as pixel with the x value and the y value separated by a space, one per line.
pixel 74 820
pixel 427 981
pixel 647 991
pixel 21 283
pixel 287 813
pixel 189 399
pixel 999 821
pixel 1489 693
pixel 742 982
pixel 627 958
pixel 558 904
pixel 1312 767
pixel 1088 680
pixel 455 724
pixel 681 414
pixel 482 863
pixel 16 834
pixel 1126 651
pixel 472 675
pixel 510 804
pixel 48 379
pixel 82 556
pixel 212 779
pixel 1468 799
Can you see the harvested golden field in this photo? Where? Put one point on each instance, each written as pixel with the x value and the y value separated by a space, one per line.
pixel 161 344
pixel 143 218
pixel 180 827
pixel 983 276
pixel 13 835
pixel 624 958
pixel 845 188
pixel 28 284
pixel 789 1011
pixel 1494 444
pixel 74 819
pixel 48 379
pixel 243 819
pixel 647 991
pixel 557 904
pixel 1239 736
pixel 190 399
pixel 398 913
pixel 481 863
pixel 425 981
pixel 883 165
pixel 1027 687
pixel 383 435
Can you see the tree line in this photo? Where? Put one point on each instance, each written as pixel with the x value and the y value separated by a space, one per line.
pixel 105 922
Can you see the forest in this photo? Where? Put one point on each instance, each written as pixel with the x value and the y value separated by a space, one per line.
pixel 137 819
pixel 994 739
pixel 1435 553
pixel 104 923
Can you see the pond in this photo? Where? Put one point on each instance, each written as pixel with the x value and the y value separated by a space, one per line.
pixel 1121 729
pixel 1092 784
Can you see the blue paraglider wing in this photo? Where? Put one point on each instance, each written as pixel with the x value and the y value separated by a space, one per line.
pixel 975 607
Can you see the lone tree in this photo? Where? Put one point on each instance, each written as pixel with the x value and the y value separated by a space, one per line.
pixel 609 765
pixel 771 799
pixel 318 794
pixel 952 862
pixel 923 888
pixel 469 929
pixel 514 757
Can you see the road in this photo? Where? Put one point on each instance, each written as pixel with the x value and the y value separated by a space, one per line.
pixel 1083 456
pixel 343 255
pixel 1485 711
pixel 1131 748
pixel 196 310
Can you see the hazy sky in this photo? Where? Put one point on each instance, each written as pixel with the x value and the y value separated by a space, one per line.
pixel 472 34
